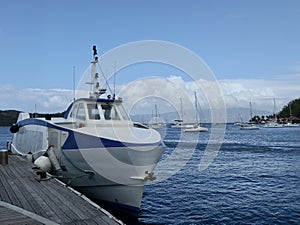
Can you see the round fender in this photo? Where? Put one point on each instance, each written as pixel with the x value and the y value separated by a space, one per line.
pixel 14 128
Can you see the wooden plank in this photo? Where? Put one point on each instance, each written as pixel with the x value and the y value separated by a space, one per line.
pixel 8 216
pixel 3 194
pixel 7 182
pixel 49 199
pixel 31 194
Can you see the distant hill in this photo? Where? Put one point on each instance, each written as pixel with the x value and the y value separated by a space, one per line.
pixel 291 109
pixel 289 113
pixel 9 117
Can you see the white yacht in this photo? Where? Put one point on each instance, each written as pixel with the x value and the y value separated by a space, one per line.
pixel 247 126
pixel 273 124
pixel 95 148
pixel 196 127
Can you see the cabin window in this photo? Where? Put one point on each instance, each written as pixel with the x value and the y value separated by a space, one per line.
pixel 109 112
pixel 93 112
pixel 74 111
pixel 80 112
pixel 123 112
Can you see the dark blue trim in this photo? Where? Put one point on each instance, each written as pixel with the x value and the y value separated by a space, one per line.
pixel 39 122
pixel 68 110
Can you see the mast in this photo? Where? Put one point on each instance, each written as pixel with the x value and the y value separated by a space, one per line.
pixel 95 92
pixel 251 113
pixel 274 110
pixel 196 107
pixel 181 109
pixel 156 119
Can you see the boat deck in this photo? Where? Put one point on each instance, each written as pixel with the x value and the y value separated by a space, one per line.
pixel 25 199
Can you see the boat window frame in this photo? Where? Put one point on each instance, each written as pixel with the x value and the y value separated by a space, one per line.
pixel 90 114
pixel 110 111
pixel 74 111
pixel 81 117
pixel 122 112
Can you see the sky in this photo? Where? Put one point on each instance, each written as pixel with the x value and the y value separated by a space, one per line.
pixel 251 47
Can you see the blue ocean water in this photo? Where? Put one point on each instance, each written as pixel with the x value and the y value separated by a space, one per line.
pixel 254 179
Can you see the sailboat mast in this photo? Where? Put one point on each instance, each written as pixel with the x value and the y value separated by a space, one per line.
pixel 156 119
pixel 251 113
pixel 181 109
pixel 274 110
pixel 196 107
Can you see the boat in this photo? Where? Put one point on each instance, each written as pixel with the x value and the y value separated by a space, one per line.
pixel 196 127
pixel 247 126
pixel 290 121
pixel 289 124
pixel 178 123
pixel 156 122
pixel 95 148
pixel 251 125
pixel 272 124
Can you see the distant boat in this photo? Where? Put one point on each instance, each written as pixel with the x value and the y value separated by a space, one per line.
pixel 273 123
pixel 239 122
pixel 196 127
pixel 289 123
pixel 157 123
pixel 249 126
pixel 179 122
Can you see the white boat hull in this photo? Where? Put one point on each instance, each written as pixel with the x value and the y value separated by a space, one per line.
pixel 103 169
pixel 196 129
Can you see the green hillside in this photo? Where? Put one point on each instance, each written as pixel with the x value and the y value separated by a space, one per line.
pixel 291 109
pixel 9 117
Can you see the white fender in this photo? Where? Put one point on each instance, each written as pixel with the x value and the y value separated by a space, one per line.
pixel 43 163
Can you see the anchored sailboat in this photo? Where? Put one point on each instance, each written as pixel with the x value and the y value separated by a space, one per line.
pixel 196 127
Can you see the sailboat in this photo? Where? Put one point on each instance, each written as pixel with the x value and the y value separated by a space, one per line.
pixel 196 127
pixel 249 126
pixel 289 122
pixel 273 123
pixel 157 121
pixel 95 148
pixel 179 122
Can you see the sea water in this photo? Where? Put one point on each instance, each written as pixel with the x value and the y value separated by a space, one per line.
pixel 254 179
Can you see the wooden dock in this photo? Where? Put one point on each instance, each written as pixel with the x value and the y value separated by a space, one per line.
pixel 26 200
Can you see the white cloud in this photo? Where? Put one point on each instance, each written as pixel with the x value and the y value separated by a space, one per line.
pixel 141 95
pixel 44 100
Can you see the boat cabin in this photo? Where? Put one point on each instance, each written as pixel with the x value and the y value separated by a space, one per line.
pixel 105 111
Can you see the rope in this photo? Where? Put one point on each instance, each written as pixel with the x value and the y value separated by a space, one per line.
pixel 89 173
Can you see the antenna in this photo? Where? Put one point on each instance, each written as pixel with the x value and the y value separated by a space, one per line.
pixel 95 51
pixel 114 94
pixel 95 92
pixel 74 83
